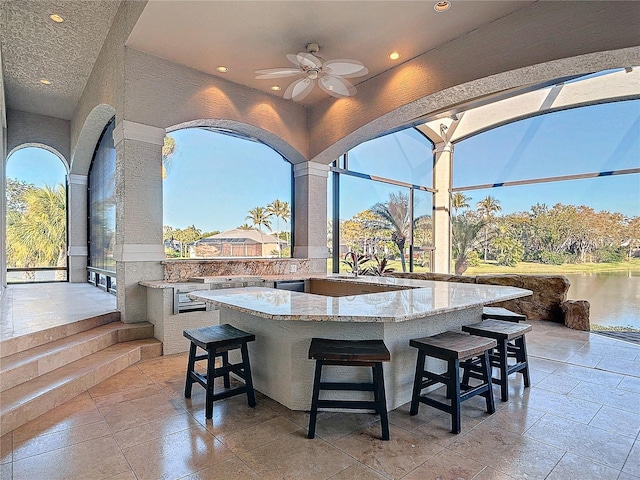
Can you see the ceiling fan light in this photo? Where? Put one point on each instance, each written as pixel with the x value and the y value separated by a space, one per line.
pixel 312 74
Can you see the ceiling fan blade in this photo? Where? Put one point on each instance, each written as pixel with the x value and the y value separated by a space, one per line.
pixel 299 89
pixel 306 60
pixel 276 73
pixel 336 86
pixel 345 68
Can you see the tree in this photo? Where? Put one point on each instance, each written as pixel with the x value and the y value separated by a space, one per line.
pixel 279 210
pixel 15 190
pixel 245 226
pixel 37 236
pixel 395 217
pixel 464 238
pixel 168 147
pixel 259 217
pixel 487 207
pixel 459 200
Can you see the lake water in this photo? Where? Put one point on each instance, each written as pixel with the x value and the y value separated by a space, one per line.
pixel 614 297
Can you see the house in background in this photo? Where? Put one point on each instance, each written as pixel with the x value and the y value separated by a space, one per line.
pixel 235 243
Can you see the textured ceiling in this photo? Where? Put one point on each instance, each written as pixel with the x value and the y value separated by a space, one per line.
pixel 250 35
pixel 34 47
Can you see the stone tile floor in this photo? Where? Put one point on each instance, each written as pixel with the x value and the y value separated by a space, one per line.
pixel 579 420
pixel 30 308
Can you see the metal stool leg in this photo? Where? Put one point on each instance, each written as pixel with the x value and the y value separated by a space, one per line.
pixel 191 365
pixel 314 400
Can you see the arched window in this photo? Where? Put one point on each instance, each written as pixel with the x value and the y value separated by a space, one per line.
pixel 102 211
pixel 224 196
pixel 380 202
pixel 36 217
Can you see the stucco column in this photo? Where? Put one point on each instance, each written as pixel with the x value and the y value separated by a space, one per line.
pixel 77 214
pixel 442 207
pixel 310 207
pixel 138 249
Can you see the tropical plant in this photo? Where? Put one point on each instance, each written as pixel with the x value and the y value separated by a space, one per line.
pixel 355 261
pixel 459 200
pixel 168 147
pixel 487 207
pixel 281 211
pixel 245 226
pixel 260 218
pixel 395 217
pixel 37 236
pixel 380 267
pixel 464 238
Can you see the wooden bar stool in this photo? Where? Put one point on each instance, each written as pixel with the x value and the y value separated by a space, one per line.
pixel 499 313
pixel 453 347
pixel 356 353
pixel 511 343
pixel 218 340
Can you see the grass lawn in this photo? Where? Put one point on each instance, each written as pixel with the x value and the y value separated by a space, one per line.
pixel 528 267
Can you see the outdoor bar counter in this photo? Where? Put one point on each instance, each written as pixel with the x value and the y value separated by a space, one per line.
pixel 342 307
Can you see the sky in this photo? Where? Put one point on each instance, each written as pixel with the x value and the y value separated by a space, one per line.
pixel 214 180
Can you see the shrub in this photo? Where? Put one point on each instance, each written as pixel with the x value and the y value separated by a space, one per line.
pixel 473 259
pixel 610 254
pixel 552 258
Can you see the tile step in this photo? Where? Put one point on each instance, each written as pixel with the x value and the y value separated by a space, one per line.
pixel 26 365
pixel 28 400
pixel 13 345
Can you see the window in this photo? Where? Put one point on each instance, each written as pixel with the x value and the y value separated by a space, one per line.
pixel 381 202
pixel 102 211
pixel 224 196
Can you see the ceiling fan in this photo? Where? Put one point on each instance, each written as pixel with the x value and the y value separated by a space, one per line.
pixel 330 74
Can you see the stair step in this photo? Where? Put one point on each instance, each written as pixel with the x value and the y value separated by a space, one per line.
pixel 26 365
pixel 13 345
pixel 30 399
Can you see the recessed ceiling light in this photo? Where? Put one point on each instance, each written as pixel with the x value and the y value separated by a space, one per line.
pixel 44 81
pixel 56 18
pixel 276 88
pixel 394 55
pixel 222 69
pixel 442 6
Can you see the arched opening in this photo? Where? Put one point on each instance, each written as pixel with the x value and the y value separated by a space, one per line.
pixel 36 218
pixel 225 195
pixel 101 181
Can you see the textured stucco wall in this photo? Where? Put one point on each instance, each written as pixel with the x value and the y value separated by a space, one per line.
pixel 104 87
pixel 30 129
pixel 164 94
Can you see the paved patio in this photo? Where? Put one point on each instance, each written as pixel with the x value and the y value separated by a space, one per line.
pixel 579 420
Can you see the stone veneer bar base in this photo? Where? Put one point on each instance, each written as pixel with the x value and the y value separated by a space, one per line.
pixel 282 371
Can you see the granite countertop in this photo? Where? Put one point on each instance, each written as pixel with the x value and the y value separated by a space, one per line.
pixel 420 298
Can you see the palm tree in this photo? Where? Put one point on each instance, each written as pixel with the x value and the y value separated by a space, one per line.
pixel 168 147
pixel 260 217
pixel 280 210
pixel 487 208
pixel 464 233
pixel 459 200
pixel 38 236
pixel 395 216
pixel 245 226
